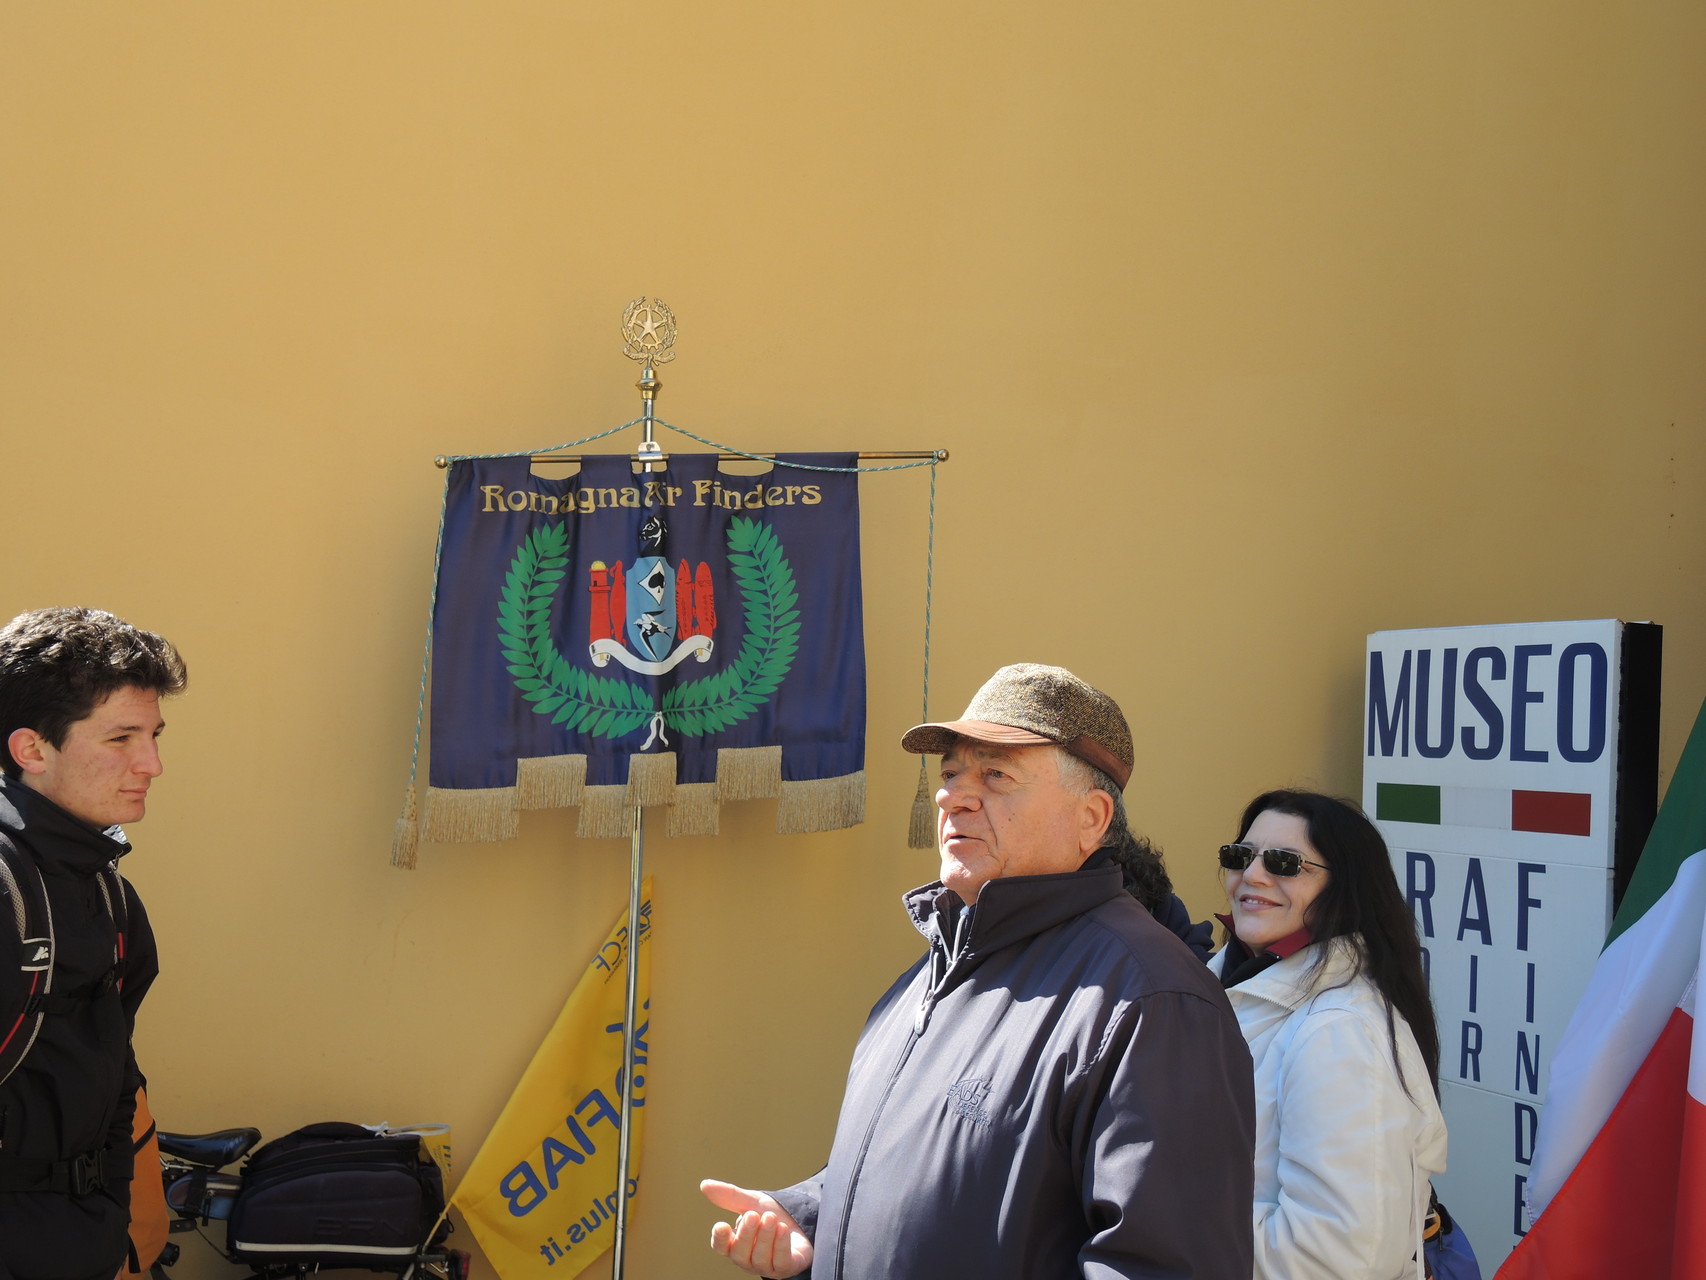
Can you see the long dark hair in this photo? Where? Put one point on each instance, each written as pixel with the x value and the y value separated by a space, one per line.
pixel 1143 871
pixel 1362 900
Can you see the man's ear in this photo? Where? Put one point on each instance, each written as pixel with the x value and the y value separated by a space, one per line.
pixel 26 748
pixel 1095 814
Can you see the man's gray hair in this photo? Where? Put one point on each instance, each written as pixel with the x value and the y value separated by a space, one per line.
pixel 1141 867
pixel 1081 778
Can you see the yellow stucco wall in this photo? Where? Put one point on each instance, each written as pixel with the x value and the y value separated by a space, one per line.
pixel 1251 328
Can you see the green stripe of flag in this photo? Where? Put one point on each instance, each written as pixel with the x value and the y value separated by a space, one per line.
pixel 1678 831
pixel 1406 802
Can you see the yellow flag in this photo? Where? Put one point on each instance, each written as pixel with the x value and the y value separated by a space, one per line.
pixel 540 1196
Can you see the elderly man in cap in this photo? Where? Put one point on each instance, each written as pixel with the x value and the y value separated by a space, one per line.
pixel 1058 1088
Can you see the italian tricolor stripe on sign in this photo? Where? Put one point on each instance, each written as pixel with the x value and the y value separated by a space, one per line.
pixel 1618 1182
pixel 1561 813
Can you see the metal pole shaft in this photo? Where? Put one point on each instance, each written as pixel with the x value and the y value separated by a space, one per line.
pixel 630 1020
pixel 630 1012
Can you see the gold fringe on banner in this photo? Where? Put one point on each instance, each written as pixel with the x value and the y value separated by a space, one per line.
pixel 693 812
pixel 821 804
pixel 459 817
pixel 749 773
pixel 550 782
pixel 921 829
pixel 406 839
pixel 651 779
pixel 606 814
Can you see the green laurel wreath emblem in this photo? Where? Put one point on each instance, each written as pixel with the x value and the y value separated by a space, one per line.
pixel 610 708
pixel 772 638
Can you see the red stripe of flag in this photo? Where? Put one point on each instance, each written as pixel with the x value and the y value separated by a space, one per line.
pixel 1687 1258
pixel 1559 813
pixel 1617 1213
pixel 1619 1166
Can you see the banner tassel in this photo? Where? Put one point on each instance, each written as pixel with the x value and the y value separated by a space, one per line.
pixel 462 816
pixel 693 812
pixel 606 814
pixel 921 830
pixel 651 779
pixel 550 782
pixel 749 773
pixel 821 804
pixel 406 839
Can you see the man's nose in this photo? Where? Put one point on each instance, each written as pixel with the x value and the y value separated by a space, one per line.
pixel 956 794
pixel 147 760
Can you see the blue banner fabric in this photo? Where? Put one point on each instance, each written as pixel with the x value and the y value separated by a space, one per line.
pixel 615 639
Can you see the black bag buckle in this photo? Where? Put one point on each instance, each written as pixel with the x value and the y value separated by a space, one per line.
pixel 84 1175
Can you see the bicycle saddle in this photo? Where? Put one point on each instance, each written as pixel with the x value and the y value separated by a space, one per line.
pixel 210 1150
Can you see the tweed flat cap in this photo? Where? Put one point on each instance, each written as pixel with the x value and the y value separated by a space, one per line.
pixel 1028 704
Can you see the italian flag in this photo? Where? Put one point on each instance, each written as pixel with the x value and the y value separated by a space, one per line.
pixel 1618 1183
pixel 1559 813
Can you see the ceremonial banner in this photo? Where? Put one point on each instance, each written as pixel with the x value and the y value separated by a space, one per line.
pixel 678 638
pixel 541 1194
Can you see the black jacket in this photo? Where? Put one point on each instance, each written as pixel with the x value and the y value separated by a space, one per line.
pixel 1064 1092
pixel 75 1092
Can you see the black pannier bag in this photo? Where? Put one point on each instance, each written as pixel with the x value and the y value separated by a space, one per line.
pixel 338 1194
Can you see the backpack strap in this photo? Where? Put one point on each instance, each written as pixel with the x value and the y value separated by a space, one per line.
pixel 118 911
pixel 22 889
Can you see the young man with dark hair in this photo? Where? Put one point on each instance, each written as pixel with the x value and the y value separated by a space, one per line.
pixel 79 715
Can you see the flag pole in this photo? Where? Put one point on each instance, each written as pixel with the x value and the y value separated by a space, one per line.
pixel 629 1014
pixel 648 335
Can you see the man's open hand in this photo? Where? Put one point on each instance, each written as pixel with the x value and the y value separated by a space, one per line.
pixel 764 1238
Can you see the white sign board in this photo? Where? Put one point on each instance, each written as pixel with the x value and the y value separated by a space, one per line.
pixel 1490 764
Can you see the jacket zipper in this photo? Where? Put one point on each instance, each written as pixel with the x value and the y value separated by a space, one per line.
pixel 932 989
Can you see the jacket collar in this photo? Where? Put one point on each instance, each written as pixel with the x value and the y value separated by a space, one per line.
pixel 1014 908
pixel 1292 943
pixel 1294 980
pixel 54 835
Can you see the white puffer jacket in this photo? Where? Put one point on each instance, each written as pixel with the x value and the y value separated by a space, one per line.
pixel 1344 1151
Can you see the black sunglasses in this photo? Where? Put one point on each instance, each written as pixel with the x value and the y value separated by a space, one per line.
pixel 1279 862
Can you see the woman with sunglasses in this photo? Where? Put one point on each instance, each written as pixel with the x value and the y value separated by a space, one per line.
pixel 1324 971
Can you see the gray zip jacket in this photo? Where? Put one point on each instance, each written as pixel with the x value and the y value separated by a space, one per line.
pixel 1057 1089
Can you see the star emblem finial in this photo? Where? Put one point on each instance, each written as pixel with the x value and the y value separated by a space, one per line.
pixel 648 331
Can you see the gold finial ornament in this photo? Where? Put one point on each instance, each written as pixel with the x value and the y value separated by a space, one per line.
pixel 648 331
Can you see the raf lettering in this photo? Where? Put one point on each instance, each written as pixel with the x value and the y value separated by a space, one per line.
pixel 1477 918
